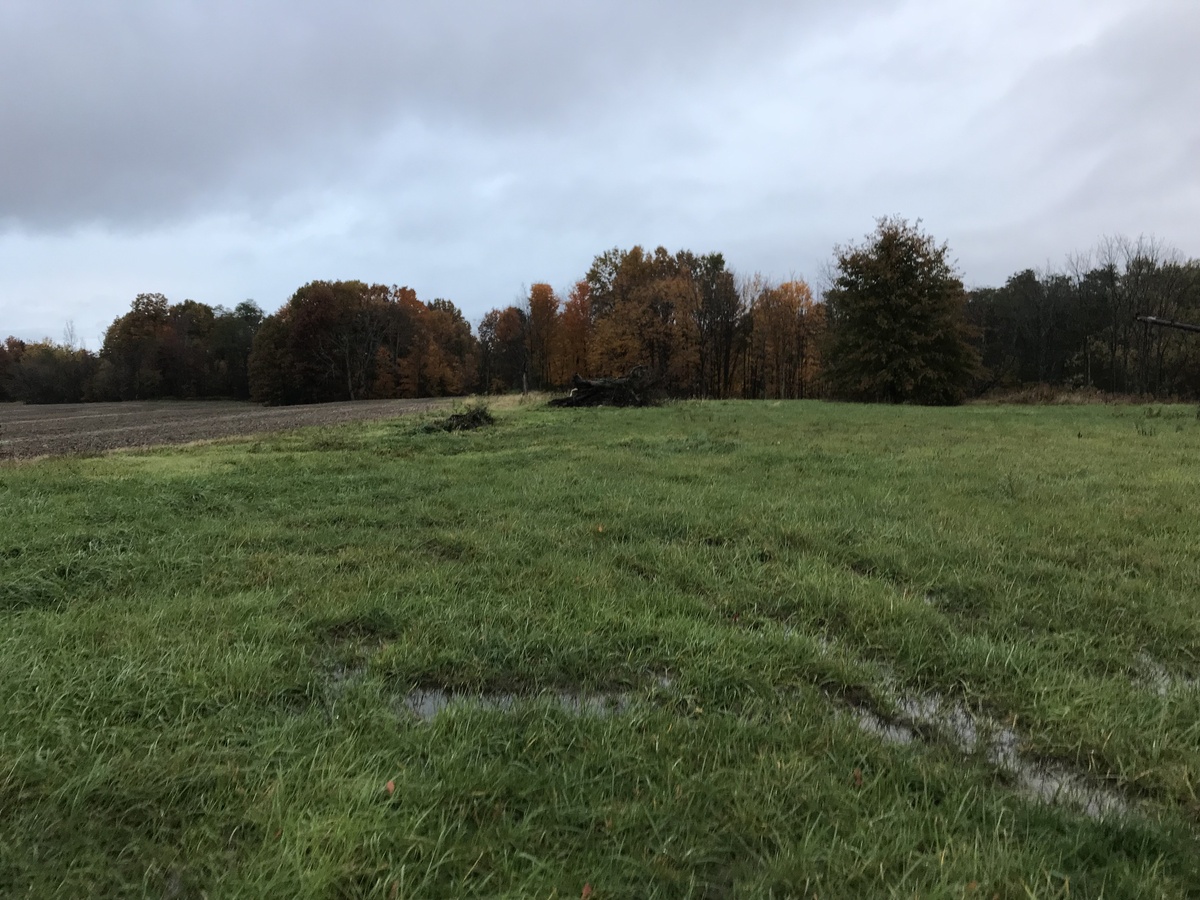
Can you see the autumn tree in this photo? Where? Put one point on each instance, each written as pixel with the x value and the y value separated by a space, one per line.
pixel 897 331
pixel 347 340
pixel 334 328
pixel 50 372
pixel 186 350
pixel 541 334
pixel 646 310
pixel 451 356
pixel 786 328
pixel 398 369
pixel 320 346
pixel 573 335
pixel 625 333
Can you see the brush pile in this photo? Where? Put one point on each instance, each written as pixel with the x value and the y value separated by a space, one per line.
pixel 634 389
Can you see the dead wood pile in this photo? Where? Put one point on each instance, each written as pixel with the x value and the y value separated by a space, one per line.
pixel 634 389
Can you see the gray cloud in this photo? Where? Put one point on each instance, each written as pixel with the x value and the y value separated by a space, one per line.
pixel 220 150
pixel 1094 140
pixel 143 109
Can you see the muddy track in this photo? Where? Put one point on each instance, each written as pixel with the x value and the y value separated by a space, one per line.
pixel 27 432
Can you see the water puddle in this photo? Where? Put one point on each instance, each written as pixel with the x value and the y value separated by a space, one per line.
pixel 917 719
pixel 919 715
pixel 1157 678
pixel 888 732
pixel 926 718
pixel 426 703
pixel 341 676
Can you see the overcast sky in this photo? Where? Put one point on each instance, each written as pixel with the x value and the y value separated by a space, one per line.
pixel 221 150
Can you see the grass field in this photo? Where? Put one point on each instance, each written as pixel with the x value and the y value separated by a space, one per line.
pixel 706 650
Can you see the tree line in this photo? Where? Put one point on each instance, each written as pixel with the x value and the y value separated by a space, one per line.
pixel 1078 327
pixel 331 341
pixel 893 324
pixel 156 350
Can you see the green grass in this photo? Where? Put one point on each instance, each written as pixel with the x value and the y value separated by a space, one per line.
pixel 206 651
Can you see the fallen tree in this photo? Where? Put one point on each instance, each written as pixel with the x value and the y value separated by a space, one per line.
pixel 634 389
pixel 1168 323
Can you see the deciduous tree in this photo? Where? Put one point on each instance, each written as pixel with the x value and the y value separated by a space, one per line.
pixel 134 345
pixel 542 334
pixel 786 329
pixel 10 352
pixel 347 340
pixel 503 348
pixel 574 334
pixel 48 372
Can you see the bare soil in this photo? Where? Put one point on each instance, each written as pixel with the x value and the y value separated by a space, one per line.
pixel 87 428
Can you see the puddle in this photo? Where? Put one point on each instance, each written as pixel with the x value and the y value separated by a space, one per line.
pixel 1154 676
pixel 952 721
pixel 426 703
pixel 918 719
pixel 340 676
pixel 922 717
pixel 889 732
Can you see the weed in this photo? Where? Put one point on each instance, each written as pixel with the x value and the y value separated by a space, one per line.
pixel 467 419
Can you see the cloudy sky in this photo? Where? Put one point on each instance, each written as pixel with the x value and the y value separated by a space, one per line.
pixel 221 150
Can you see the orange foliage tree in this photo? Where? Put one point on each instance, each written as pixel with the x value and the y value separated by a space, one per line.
pixel 785 328
pixel 569 354
pixel 682 316
pixel 541 334
pixel 638 300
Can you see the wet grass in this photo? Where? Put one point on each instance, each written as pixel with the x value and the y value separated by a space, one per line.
pixel 628 649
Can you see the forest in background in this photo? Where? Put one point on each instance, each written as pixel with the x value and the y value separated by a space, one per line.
pixel 702 330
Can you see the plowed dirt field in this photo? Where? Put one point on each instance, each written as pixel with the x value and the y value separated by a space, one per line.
pixel 32 431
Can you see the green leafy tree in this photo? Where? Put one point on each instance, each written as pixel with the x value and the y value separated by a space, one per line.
pixel 10 353
pixel 135 344
pixel 46 372
pixel 896 326
pixel 503 349
pixel 230 344
pixel 273 372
